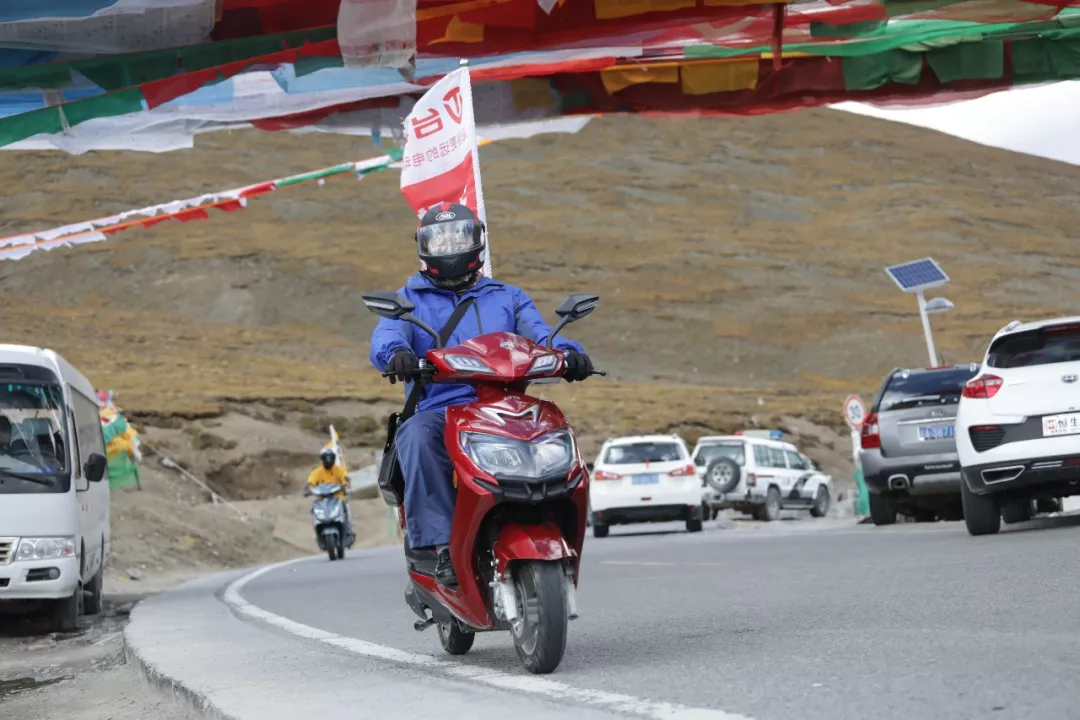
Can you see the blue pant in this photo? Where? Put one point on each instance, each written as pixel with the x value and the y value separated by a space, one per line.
pixel 428 473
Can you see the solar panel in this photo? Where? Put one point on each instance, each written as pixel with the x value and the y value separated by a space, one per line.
pixel 917 275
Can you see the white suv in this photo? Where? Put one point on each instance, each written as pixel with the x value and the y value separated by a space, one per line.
pixel 1018 425
pixel 646 478
pixel 755 472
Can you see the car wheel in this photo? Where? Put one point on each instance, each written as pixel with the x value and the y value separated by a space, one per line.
pixel 982 513
pixel 1017 511
pixel 694 524
pixel 599 531
pixel 770 511
pixel 706 511
pixel 882 509
pixel 820 508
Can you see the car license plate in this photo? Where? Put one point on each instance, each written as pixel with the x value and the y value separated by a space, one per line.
pixel 1067 424
pixel 646 479
pixel 937 432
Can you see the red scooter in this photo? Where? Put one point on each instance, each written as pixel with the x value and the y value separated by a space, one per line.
pixel 522 492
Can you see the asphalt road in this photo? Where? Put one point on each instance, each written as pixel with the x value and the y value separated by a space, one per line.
pixel 800 619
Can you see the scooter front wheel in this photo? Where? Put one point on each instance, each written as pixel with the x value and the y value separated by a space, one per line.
pixel 540 630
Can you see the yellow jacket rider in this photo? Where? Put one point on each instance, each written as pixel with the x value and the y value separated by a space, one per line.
pixel 329 472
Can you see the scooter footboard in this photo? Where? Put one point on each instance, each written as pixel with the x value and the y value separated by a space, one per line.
pixel 529 542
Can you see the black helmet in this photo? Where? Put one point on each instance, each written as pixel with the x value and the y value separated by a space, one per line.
pixel 328 457
pixel 450 241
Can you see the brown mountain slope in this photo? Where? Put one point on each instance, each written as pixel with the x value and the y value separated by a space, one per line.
pixel 739 261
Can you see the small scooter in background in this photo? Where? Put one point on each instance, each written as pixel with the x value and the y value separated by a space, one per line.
pixel 329 516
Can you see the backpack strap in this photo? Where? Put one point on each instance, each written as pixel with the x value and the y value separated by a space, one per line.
pixel 455 320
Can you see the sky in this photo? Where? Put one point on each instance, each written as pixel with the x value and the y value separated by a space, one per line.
pixel 1038 120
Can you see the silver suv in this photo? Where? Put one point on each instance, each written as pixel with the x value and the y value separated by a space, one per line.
pixel 909 446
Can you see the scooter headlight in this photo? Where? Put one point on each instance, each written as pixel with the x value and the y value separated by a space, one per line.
pixel 548 455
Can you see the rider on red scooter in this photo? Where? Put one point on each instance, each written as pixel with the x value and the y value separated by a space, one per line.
pixel 451 243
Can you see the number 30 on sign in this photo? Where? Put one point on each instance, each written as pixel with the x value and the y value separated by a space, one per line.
pixel 854 411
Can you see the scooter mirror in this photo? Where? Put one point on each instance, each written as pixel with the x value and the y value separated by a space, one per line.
pixel 576 307
pixel 387 304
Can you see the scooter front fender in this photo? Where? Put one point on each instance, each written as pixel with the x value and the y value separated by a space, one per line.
pixel 529 542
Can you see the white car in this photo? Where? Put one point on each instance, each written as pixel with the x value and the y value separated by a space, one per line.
pixel 757 473
pixel 1018 425
pixel 646 478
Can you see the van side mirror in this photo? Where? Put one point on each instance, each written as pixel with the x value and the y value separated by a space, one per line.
pixel 95 467
pixel 576 307
pixel 388 304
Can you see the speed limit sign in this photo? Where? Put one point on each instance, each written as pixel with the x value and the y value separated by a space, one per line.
pixel 854 411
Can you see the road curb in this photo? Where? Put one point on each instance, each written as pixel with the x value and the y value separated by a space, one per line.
pixel 196 701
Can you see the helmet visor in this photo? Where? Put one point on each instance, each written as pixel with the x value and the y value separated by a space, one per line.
pixel 450 238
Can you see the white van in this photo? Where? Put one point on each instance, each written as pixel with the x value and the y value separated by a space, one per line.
pixel 54 489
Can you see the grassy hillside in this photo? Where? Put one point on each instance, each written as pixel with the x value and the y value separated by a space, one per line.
pixel 739 262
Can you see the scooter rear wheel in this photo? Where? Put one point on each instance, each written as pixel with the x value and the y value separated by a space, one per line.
pixel 540 631
pixel 455 641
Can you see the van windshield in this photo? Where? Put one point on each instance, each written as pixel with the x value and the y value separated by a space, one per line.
pixel 32 438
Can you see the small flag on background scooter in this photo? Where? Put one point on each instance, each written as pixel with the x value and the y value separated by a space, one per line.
pixel 335 445
pixel 441 159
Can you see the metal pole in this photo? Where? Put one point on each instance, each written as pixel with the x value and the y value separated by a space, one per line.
pixel 926 328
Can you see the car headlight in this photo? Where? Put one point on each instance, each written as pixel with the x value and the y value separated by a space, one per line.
pixel 47 548
pixel 549 455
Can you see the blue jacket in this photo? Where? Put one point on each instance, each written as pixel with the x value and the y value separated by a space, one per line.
pixel 498 308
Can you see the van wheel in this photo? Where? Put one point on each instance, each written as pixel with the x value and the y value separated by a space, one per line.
pixel 65 616
pixel 982 513
pixel 92 595
pixel 599 530
pixel 882 509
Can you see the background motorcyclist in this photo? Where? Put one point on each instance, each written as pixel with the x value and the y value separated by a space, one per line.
pixel 330 472
pixel 451 244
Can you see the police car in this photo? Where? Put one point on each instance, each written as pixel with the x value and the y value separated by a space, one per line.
pixel 758 473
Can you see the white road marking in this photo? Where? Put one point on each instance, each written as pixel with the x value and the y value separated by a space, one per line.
pixel 531 684
pixel 653 563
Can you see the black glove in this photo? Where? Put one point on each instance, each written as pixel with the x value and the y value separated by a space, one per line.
pixel 578 366
pixel 402 363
